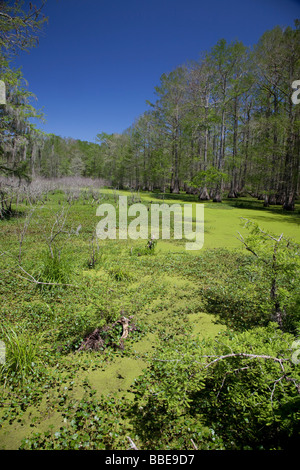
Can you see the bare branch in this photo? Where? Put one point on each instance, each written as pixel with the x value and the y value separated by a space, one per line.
pixel 35 281
pixel 194 445
pixel 132 444
pixel 252 356
pixel 247 247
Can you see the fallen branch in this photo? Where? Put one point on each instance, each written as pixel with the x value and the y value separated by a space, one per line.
pixel 32 279
pixel 194 445
pixel 206 365
pixel 132 444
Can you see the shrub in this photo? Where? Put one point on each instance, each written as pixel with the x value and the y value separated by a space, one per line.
pixel 280 259
pixel 243 386
pixel 237 306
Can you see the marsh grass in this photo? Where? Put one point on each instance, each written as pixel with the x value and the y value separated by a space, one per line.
pixel 55 268
pixel 22 353
pixel 120 274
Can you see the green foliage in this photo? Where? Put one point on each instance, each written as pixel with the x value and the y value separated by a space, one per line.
pixel 19 30
pixel 93 424
pixel 238 306
pixel 279 258
pixel 177 300
pixel 209 178
pixel 120 274
pixel 236 385
pixel 148 249
pixel 55 269
pixel 73 325
pixel 151 245
pixel 22 353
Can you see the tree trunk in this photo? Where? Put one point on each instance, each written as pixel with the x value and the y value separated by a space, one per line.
pixel 217 196
pixel 290 170
pixel 204 196
pixel 233 186
pixel 176 188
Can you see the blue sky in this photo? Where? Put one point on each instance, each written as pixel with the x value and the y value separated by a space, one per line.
pixel 98 61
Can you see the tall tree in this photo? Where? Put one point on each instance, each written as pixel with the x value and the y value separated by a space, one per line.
pixel 19 27
pixel 227 61
pixel 225 123
pixel 19 30
pixel 170 108
pixel 277 64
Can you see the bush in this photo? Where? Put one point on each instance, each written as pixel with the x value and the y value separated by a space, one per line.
pixel 238 307
pixel 280 259
pixel 243 386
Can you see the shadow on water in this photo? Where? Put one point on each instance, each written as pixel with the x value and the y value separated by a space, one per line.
pixel 255 204
pixel 240 203
pixel 181 197
pixel 248 204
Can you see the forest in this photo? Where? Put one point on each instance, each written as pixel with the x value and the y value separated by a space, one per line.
pixel 128 345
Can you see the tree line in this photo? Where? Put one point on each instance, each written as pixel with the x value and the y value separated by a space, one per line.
pixel 224 125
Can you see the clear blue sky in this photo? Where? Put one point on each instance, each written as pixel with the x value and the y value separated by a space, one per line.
pixel 98 61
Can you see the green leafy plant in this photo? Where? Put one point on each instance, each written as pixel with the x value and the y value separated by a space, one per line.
pixel 280 260
pixel 120 274
pixel 244 387
pixel 93 424
pixel 238 304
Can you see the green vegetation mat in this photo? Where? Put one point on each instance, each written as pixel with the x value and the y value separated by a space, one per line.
pixel 185 306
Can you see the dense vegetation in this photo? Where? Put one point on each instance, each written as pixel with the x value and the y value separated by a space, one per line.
pixel 211 358
pixel 208 364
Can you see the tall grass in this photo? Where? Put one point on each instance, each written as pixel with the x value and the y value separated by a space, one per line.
pixel 55 269
pixel 22 353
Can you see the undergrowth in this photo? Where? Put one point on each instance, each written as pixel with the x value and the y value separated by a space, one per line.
pixel 44 325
